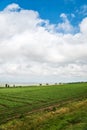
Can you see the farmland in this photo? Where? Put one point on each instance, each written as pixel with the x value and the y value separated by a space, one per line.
pixel 43 107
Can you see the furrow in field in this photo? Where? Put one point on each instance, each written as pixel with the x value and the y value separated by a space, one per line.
pixel 12 100
pixel 4 105
pixel 19 98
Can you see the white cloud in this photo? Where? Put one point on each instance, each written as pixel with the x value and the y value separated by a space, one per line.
pixel 64 16
pixel 83 26
pixel 29 50
pixel 12 7
pixel 65 26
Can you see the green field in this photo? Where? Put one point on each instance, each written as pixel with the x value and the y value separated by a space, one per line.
pixel 54 107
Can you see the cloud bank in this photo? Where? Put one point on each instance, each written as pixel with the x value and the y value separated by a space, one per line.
pixel 32 49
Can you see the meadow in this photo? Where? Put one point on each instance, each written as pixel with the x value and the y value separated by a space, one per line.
pixel 51 107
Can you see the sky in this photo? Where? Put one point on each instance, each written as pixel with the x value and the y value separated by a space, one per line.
pixel 43 41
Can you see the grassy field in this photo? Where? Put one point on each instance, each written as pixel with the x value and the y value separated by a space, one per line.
pixel 55 107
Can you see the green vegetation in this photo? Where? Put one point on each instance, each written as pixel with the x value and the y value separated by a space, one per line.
pixel 54 107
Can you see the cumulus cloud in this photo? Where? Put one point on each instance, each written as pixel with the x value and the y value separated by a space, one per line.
pixel 29 49
pixel 12 7
pixel 65 26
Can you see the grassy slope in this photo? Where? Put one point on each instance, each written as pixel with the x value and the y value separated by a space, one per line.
pixel 15 102
pixel 72 116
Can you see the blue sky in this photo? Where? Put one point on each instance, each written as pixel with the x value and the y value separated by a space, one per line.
pixel 51 9
pixel 43 40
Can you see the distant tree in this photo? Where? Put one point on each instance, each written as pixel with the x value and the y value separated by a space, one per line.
pixel 14 85
pixel 47 84
pixel 40 84
pixel 7 85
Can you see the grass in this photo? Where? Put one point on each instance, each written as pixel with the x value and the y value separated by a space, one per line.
pixel 72 116
pixel 44 107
